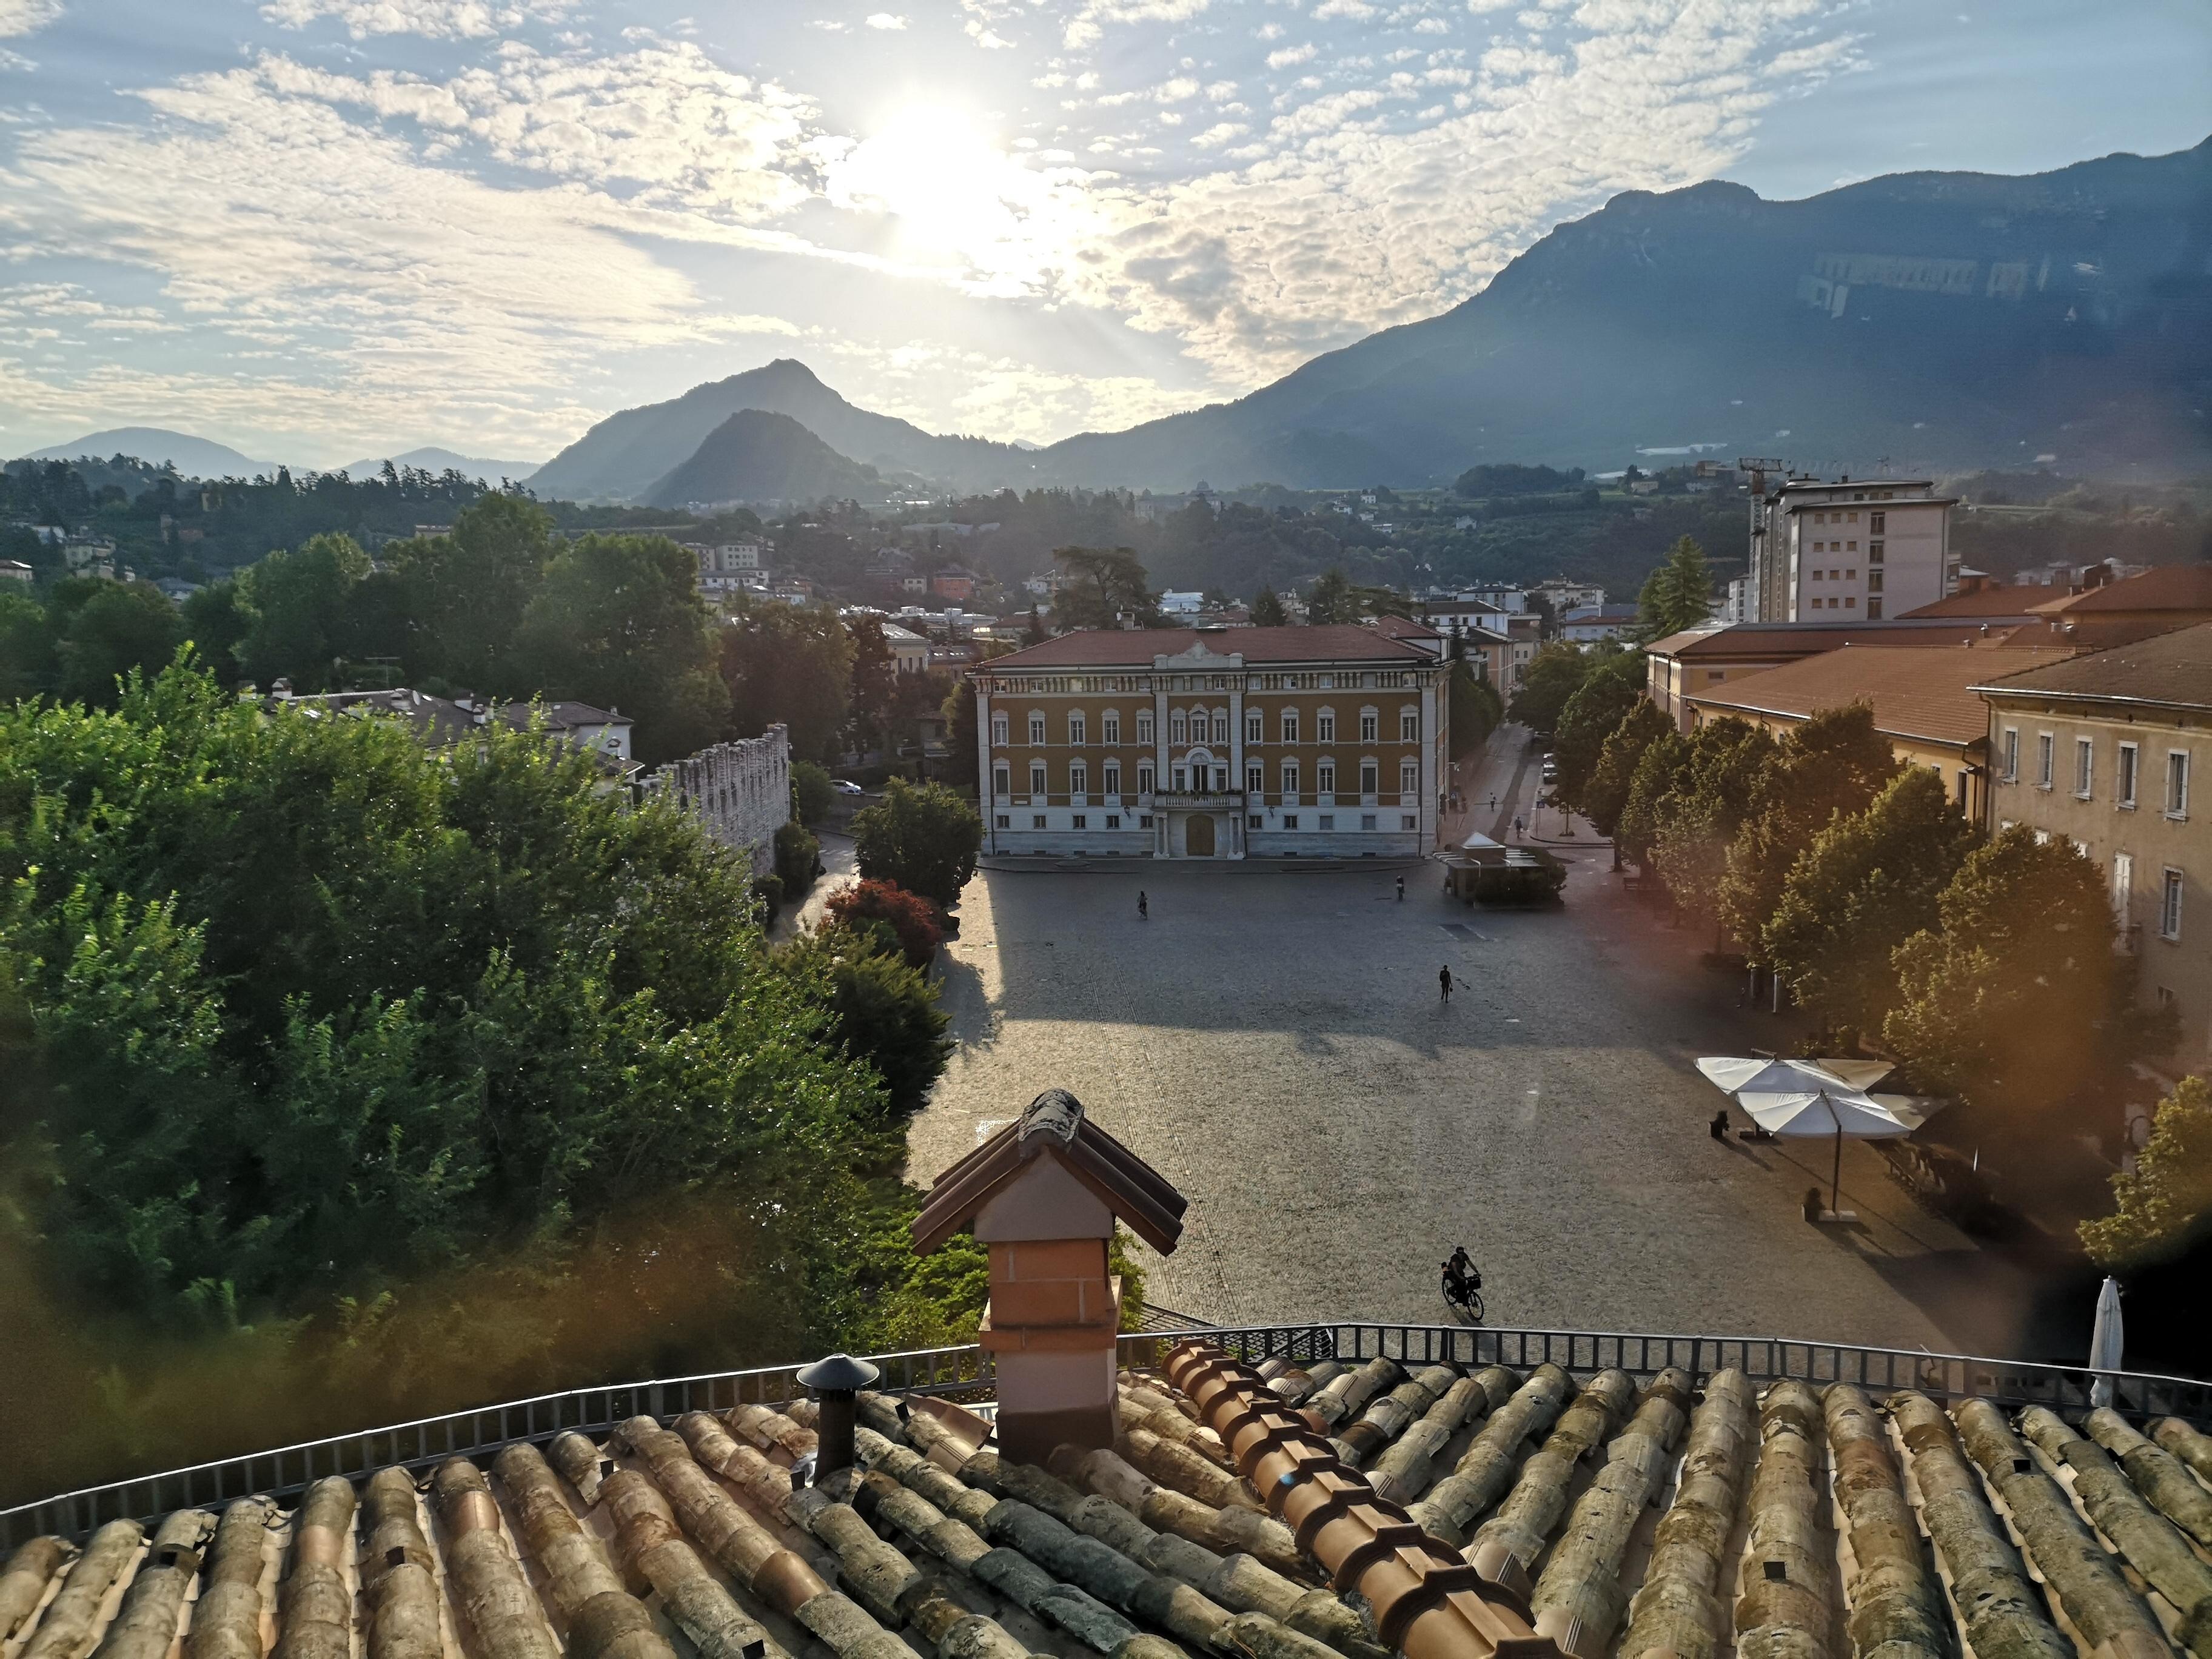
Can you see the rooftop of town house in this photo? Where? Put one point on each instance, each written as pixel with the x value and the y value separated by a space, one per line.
pixel 1981 604
pixel 1914 692
pixel 1804 639
pixel 1398 628
pixel 1137 647
pixel 563 716
pixel 667 1513
pixel 2162 587
pixel 2171 670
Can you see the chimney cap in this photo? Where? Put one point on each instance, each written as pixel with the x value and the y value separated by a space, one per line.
pixel 838 1373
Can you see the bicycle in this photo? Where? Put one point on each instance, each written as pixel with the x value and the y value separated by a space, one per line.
pixel 1463 1292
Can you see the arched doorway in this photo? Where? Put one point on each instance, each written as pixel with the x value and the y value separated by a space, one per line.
pixel 1198 835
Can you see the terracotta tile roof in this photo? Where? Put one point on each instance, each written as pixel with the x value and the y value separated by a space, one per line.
pixel 1994 601
pixel 1807 639
pixel 1135 648
pixel 1915 693
pixel 1398 628
pixel 2173 669
pixel 2165 587
pixel 703 1538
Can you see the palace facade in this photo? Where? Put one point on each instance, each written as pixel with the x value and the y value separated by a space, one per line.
pixel 1212 744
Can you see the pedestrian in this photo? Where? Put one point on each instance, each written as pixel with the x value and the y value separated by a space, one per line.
pixel 1443 981
pixel 1493 801
pixel 1812 1206
pixel 1144 905
pixel 1719 1124
pixel 1517 826
pixel 1401 890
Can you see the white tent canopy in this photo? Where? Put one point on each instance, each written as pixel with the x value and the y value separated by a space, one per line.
pixel 1774 1077
pixel 1819 1098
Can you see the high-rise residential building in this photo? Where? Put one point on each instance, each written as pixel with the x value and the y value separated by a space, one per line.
pixel 1850 550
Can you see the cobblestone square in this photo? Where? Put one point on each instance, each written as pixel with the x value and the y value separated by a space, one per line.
pixel 1273 1041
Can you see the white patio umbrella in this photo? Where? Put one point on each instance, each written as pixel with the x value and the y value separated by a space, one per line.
pixel 1803 1097
pixel 2105 1342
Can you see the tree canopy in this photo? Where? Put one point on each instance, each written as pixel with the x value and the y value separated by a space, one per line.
pixel 1100 586
pixel 1613 686
pixel 2162 1207
pixel 1677 595
pixel 922 837
pixel 786 664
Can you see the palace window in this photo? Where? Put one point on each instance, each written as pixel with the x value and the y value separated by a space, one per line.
pixel 1254 726
pixel 1873 552
pixel 1290 725
pixel 1409 777
pixel 1371 724
pixel 1037 777
pixel 2129 757
pixel 1326 821
pixel 1037 822
pixel 2169 906
pixel 1289 820
pixel 1290 777
pixel 2044 747
pixel 1370 777
pixel 1079 778
pixel 1367 820
pixel 1256 776
pixel 1182 780
pixel 1110 727
pixel 2011 768
pixel 1145 779
pixel 1221 726
pixel 1145 727
pixel 1080 821
pixel 1113 777
pixel 1178 729
pixel 1077 728
pixel 1005 820
pixel 2085 764
pixel 1877 523
pixel 1409 821
pixel 1325 726
pixel 1325 777
pixel 2176 783
pixel 1002 781
pixel 1409 726
pixel 999 731
pixel 1113 820
pixel 1036 729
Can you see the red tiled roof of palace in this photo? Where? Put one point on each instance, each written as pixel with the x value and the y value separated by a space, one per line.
pixel 1135 648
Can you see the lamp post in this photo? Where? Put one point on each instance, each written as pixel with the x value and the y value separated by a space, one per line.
pixel 836 1383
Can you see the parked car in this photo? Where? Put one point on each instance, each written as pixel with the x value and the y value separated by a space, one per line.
pixel 846 786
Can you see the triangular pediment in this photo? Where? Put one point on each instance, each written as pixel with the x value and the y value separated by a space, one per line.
pixel 1201 656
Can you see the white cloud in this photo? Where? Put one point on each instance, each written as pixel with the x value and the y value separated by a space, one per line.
pixel 884 19
pixel 26 16
pixel 440 19
pixel 1284 57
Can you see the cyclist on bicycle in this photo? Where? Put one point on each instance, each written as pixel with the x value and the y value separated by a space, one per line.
pixel 1462 1277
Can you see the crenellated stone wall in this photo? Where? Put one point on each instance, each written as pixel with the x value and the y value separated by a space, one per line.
pixel 740 791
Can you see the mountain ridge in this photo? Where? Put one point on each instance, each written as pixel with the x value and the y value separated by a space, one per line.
pixel 757 456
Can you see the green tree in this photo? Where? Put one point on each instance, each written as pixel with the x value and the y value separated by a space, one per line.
pixel 916 926
pixel 787 664
pixel 1476 710
pixel 216 621
pixel 885 1014
pixel 796 852
pixel 1612 687
pixel 1868 881
pixel 1036 632
pixel 1699 818
pixel 1605 795
pixel 961 756
pixel 2003 1006
pixel 296 604
pixel 1100 586
pixel 1555 673
pixel 1331 599
pixel 109 630
pixel 923 837
pixel 28 664
pixel 1268 609
pixel 2162 1209
pixel 875 682
pixel 1832 764
pixel 1678 595
pixel 470 588
pixel 1665 760
pixel 811 795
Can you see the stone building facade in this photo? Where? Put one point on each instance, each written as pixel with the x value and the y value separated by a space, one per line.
pixel 741 792
pixel 1212 744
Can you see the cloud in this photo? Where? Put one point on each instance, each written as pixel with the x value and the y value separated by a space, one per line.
pixel 1089 25
pixel 440 19
pixel 1284 57
pixel 26 16
pixel 884 19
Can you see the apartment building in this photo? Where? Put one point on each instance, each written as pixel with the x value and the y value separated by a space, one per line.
pixel 2103 749
pixel 1212 744
pixel 1850 550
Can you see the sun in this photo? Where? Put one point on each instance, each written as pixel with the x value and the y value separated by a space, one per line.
pixel 935 169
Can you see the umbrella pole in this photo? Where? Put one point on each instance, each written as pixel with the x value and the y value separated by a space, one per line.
pixel 1836 1181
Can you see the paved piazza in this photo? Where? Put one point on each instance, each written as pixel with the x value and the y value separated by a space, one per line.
pixel 1272 1042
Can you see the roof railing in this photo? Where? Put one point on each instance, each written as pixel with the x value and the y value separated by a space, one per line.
pixel 967 1370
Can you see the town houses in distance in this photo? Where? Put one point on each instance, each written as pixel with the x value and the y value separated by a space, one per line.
pixel 1316 742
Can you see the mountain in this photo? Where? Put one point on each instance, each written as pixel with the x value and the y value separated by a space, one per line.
pixel 431 459
pixel 620 457
pixel 755 456
pixel 1947 321
pixel 195 457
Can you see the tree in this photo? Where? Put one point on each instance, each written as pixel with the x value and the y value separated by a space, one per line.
pixel 29 665
pixel 105 631
pixel 1868 881
pixel 796 852
pixel 2161 1209
pixel 875 680
pixel 1476 710
pixel 470 588
pixel 1555 673
pixel 1677 595
pixel 617 622
pixel 961 758
pixel 1331 599
pixel 1699 818
pixel 216 621
pixel 916 924
pixel 1612 687
pixel 1268 609
pixel 1035 633
pixel 1834 764
pixel 1636 832
pixel 884 1013
pixel 922 836
pixel 2001 1005
pixel 296 604
pixel 1605 795
pixel 793 666
pixel 811 795
pixel 1100 586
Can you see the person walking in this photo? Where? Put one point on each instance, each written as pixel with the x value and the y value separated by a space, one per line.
pixel 1144 905
pixel 1443 982
pixel 1401 890
pixel 1517 826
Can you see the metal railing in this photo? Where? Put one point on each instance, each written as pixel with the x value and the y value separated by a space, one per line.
pixel 967 1371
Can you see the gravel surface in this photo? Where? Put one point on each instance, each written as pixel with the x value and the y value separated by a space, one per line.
pixel 1273 1043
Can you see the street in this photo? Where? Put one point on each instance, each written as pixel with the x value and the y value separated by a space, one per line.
pixel 1273 1041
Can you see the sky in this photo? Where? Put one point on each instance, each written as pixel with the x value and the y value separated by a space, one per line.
pixel 318 230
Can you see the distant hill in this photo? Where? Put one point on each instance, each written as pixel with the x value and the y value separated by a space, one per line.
pixel 431 459
pixel 194 457
pixel 1946 320
pixel 623 456
pixel 756 456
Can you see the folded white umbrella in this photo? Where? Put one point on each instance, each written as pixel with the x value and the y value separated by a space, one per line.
pixel 2105 1341
pixel 1795 1097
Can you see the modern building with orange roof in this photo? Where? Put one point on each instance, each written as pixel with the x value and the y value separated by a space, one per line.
pixel 1924 701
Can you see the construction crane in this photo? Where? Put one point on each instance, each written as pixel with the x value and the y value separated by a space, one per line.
pixel 1758 467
